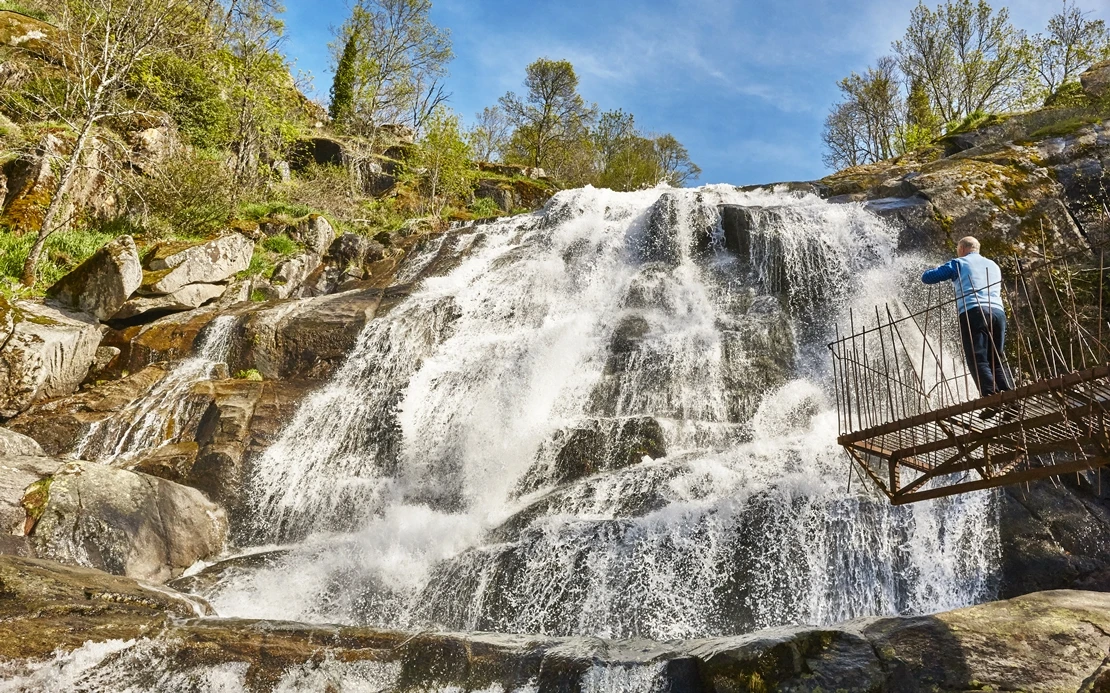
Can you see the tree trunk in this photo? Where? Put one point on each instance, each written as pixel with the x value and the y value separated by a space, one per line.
pixel 30 266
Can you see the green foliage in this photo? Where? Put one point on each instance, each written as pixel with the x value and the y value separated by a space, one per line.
pixel 551 120
pixel 973 121
pixel 398 58
pixel 63 252
pixel 1072 43
pixel 188 89
pixel 1065 127
pixel 258 296
pixel 26 9
pixel 280 244
pixel 190 194
pixel 444 158
pixel 251 374
pixel 342 106
pixel 1069 95
pixel 275 209
pixel 485 208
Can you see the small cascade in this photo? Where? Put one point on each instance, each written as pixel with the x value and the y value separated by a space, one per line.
pixel 609 418
pixel 167 412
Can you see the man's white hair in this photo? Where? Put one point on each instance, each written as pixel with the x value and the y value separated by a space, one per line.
pixel 969 243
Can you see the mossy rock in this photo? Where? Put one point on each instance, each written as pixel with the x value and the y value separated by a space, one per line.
pixel 36 497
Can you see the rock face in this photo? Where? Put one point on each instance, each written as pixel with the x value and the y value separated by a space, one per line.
pixel 93 602
pixel 315 233
pixel 17 473
pixel 46 353
pixel 186 298
pixel 1052 641
pixel 1012 195
pixel 125 523
pixel 172 266
pixel 290 275
pixel 1096 80
pixel 103 283
pixel 14 444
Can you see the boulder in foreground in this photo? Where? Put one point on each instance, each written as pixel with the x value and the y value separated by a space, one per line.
pixel 101 284
pixel 1050 641
pixel 123 522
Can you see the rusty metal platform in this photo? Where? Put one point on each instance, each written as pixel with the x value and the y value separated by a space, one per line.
pixel 911 417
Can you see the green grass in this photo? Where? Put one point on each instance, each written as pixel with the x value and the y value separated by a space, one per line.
pixel 23 9
pixel 484 208
pixel 1064 127
pixel 280 244
pixel 249 374
pixel 973 121
pixel 274 210
pixel 63 252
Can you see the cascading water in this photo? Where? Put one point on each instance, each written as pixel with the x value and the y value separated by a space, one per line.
pixel 164 413
pixel 602 422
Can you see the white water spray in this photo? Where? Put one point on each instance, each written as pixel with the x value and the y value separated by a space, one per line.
pixel 607 309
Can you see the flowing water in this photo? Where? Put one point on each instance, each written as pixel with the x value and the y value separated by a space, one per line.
pixel 601 420
pixel 167 411
pixel 456 473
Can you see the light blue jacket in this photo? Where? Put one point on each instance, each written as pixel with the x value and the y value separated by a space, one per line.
pixel 978 282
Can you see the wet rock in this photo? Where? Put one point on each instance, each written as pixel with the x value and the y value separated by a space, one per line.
pixel 315 233
pixel 173 265
pixel 228 569
pixel 918 227
pixel 166 339
pixel 83 604
pixel 186 298
pixel 101 284
pixel 126 523
pixel 59 425
pixel 1096 80
pixel 172 461
pixel 1050 641
pixel 47 353
pixel 17 473
pixel 13 444
pixel 599 445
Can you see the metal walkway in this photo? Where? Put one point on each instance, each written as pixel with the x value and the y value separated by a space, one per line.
pixel 910 413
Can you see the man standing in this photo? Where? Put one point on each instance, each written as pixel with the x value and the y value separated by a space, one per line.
pixel 982 318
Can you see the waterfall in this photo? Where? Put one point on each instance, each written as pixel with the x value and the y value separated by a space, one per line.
pixel 167 411
pixel 600 420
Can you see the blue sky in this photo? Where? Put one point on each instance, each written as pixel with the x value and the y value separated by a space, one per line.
pixel 744 84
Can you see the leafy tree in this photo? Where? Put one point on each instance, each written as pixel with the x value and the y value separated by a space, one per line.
pixel 865 126
pixel 98 50
pixel 922 124
pixel 490 135
pixel 399 61
pixel 967 56
pixel 442 161
pixel 259 87
pixel 552 120
pixel 342 106
pixel 625 159
pixel 675 165
pixel 1072 43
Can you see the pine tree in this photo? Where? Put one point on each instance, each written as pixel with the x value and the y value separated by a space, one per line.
pixel 343 87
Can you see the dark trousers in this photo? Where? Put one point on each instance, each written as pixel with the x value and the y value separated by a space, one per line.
pixel 984 336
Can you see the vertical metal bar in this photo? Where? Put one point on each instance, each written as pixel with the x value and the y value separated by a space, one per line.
pixel 886 366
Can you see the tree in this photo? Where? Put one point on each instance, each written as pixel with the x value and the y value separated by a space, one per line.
pixel 864 128
pixel 674 162
pixel 551 117
pixel 922 125
pixel 1072 43
pixel 442 161
pixel 258 83
pixel 97 50
pixel 399 59
pixel 968 57
pixel 342 106
pixel 490 135
pixel 625 159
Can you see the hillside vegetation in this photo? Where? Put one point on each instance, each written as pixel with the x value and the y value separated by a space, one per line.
pixel 180 120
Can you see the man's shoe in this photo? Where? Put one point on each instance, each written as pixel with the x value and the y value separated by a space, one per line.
pixel 989 413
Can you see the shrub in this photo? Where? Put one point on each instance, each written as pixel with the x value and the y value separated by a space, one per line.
pixel 188 195
pixel 485 207
pixel 249 374
pixel 275 209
